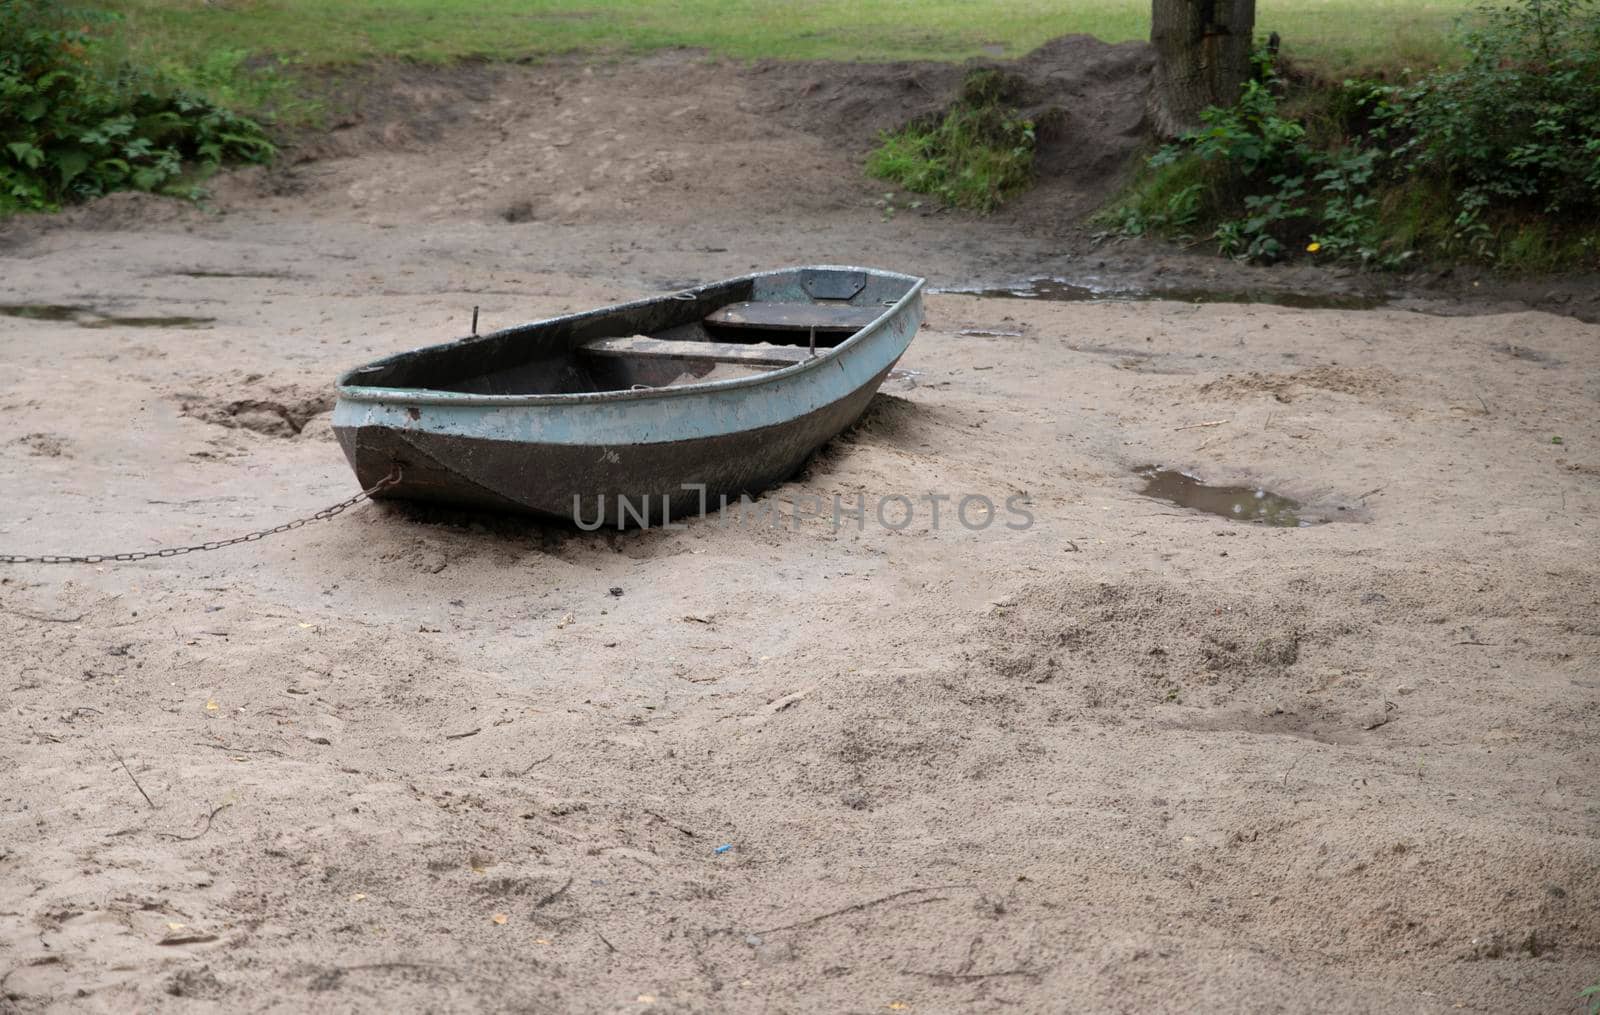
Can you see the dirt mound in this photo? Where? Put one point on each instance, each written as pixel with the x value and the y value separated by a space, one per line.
pixel 1359 381
pixel 679 148
pixel 1149 642
pixel 1086 96
pixel 573 141
pixel 112 213
pixel 851 103
pixel 398 106
pixel 277 411
pixel 1089 97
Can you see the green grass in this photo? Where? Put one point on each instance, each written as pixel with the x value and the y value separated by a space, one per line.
pixel 1335 35
pixel 976 155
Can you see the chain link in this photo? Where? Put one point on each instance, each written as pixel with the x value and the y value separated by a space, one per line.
pixel 215 544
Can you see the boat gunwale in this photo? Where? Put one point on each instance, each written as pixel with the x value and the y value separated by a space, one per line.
pixel 355 393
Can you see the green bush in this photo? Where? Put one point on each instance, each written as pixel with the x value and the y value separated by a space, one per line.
pixel 75 125
pixel 976 155
pixel 1497 159
pixel 1518 126
pixel 1264 186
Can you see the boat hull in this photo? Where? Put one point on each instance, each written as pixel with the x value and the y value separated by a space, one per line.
pixel 597 485
pixel 621 458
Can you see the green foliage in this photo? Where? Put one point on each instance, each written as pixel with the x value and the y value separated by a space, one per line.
pixel 1497 159
pixel 235 79
pixel 74 126
pixel 1518 126
pixel 976 155
pixel 1249 134
pixel 1170 200
pixel 1274 190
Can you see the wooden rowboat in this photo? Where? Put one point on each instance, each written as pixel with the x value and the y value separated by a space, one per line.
pixel 635 414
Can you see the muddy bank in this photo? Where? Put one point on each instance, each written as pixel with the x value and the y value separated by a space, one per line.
pixel 709 148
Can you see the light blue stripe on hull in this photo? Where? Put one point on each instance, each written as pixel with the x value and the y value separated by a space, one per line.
pixel 700 411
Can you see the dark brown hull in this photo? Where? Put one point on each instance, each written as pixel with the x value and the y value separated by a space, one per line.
pixel 577 483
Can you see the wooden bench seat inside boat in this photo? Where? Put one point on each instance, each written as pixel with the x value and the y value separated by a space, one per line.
pixel 794 316
pixel 645 347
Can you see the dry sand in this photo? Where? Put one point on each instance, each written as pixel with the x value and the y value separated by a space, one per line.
pixel 1130 758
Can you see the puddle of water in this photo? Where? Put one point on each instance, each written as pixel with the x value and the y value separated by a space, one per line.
pixel 85 317
pixel 42 311
pixel 1062 291
pixel 1240 503
pixel 233 274
pixel 98 321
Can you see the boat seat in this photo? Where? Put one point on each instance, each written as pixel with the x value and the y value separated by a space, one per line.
pixel 795 316
pixel 645 347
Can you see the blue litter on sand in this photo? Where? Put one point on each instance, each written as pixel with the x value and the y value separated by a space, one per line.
pixel 723 848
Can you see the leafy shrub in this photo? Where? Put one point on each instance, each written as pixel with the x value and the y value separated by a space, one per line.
pixel 72 127
pixel 1276 190
pixel 1250 134
pixel 1499 158
pixel 1518 126
pixel 976 155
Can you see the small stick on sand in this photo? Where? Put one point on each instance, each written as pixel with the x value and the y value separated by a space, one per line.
pixel 535 764
pixel 135 779
pixel 859 906
pixel 209 818
pixel 971 977
pixel 1196 426
pixel 239 750
pixel 553 896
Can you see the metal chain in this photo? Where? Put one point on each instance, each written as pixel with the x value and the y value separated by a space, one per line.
pixel 215 544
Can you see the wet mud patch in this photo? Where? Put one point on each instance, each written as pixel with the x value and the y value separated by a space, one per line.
pixel 283 411
pixel 1060 290
pixel 88 317
pixel 1145 643
pixel 42 311
pixel 201 273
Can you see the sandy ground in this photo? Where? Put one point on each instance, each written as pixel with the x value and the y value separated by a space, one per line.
pixel 1129 758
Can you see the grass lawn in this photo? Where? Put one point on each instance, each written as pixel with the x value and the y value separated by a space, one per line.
pixel 1337 35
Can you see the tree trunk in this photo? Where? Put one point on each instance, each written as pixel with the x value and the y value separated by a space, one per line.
pixel 1202 58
